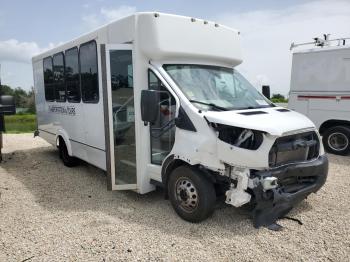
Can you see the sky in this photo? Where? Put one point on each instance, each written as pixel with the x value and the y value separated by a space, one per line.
pixel 267 27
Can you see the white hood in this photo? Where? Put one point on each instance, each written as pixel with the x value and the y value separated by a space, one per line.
pixel 272 121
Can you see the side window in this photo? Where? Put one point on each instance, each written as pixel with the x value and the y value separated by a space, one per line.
pixel 162 131
pixel 155 84
pixel 48 79
pixel 72 75
pixel 88 72
pixel 58 77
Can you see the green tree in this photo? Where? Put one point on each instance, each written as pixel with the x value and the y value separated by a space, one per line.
pixel 278 98
pixel 6 90
pixel 20 97
pixel 23 99
pixel 31 101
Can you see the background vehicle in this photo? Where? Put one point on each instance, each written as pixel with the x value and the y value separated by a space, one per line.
pixel 188 121
pixel 7 107
pixel 320 89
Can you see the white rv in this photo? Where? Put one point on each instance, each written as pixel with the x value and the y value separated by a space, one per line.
pixel 154 100
pixel 320 89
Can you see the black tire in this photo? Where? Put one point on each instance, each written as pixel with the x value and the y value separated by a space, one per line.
pixel 67 160
pixel 182 181
pixel 336 140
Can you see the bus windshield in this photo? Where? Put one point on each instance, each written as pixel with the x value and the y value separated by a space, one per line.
pixel 216 88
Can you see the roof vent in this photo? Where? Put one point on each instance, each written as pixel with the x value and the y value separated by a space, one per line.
pixel 282 110
pixel 249 113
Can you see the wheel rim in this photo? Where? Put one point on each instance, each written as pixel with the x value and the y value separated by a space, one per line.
pixel 338 141
pixel 186 194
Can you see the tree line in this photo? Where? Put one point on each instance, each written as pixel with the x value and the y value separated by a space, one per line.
pixel 23 99
pixel 278 98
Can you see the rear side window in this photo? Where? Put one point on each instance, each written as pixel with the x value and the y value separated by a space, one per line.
pixel 88 72
pixel 48 79
pixel 72 75
pixel 58 77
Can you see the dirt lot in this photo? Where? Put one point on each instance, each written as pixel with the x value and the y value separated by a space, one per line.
pixel 49 213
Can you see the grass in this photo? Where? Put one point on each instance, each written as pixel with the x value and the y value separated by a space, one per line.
pixel 20 123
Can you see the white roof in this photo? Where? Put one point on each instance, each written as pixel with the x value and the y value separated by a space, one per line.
pixel 167 37
pixel 171 36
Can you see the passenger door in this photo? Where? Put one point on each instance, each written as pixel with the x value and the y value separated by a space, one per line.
pixel 121 120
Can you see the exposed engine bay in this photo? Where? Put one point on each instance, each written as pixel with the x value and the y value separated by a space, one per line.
pixel 240 137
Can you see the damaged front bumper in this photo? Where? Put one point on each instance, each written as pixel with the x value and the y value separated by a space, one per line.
pixel 295 183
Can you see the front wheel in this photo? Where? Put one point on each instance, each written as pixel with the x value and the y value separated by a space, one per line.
pixel 191 194
pixel 336 140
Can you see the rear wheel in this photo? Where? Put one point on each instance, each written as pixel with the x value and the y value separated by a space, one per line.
pixel 67 160
pixel 191 194
pixel 336 140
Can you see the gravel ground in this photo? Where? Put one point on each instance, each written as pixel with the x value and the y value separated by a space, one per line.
pixel 49 212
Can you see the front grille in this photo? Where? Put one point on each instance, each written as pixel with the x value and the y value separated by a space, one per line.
pixel 294 148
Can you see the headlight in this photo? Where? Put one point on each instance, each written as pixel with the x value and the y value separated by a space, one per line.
pixel 240 137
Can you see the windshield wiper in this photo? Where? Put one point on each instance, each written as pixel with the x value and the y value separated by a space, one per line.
pixel 253 107
pixel 209 104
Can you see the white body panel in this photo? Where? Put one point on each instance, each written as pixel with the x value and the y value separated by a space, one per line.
pixel 320 84
pixel 152 39
pixel 155 40
pixel 160 40
pixel 264 122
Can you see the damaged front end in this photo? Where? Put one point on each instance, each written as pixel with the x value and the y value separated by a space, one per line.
pixel 295 169
pixel 295 183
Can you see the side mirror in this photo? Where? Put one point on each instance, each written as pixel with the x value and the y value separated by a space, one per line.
pixel 266 91
pixel 149 105
pixel 7 105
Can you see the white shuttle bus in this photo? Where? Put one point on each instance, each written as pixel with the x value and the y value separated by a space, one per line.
pixel 320 89
pixel 154 100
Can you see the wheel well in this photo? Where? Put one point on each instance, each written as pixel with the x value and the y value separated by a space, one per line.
pixel 332 123
pixel 170 164
pixel 60 141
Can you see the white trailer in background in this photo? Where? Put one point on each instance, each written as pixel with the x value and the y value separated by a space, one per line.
pixel 320 89
pixel 154 99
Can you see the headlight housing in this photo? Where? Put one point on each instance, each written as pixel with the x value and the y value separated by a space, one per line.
pixel 240 137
